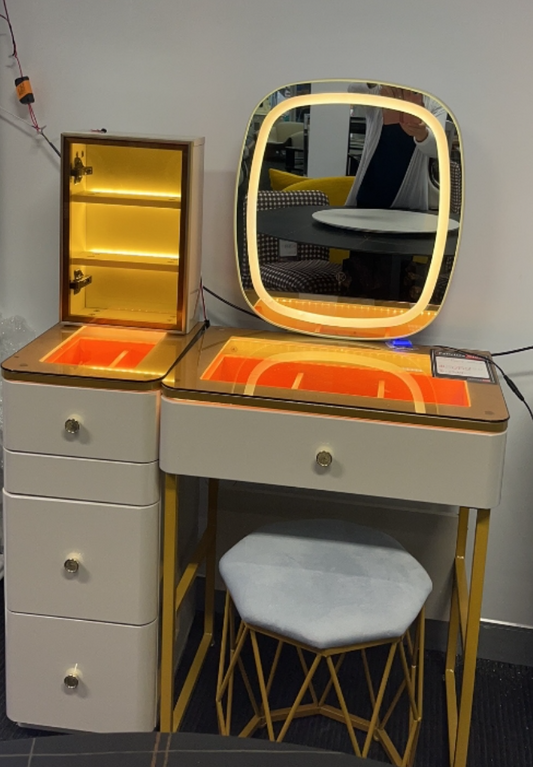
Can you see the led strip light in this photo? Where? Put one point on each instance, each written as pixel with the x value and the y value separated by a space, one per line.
pixel 369 100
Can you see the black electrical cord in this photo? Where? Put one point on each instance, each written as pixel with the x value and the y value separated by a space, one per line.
pixel 512 351
pixel 224 301
pixel 509 381
pixel 53 146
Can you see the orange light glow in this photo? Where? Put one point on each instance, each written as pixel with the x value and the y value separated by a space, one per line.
pixel 91 348
pixel 298 371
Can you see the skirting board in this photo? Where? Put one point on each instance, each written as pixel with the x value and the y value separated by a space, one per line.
pixel 503 642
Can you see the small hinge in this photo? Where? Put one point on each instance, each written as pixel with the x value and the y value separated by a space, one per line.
pixel 80 281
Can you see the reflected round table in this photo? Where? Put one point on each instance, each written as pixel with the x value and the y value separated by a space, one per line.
pixel 297 224
pixel 391 250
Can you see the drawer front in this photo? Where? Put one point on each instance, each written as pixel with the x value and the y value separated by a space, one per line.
pixel 81 560
pixel 114 666
pixel 113 425
pixel 82 479
pixel 390 460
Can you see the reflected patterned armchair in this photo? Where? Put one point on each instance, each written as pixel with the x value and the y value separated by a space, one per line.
pixel 310 271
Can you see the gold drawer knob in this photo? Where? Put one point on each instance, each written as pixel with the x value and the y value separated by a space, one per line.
pixel 71 682
pixel 72 426
pixel 324 458
pixel 71 566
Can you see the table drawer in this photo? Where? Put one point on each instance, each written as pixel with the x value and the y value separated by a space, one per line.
pixel 390 460
pixel 113 425
pixel 81 560
pixel 115 668
pixel 82 479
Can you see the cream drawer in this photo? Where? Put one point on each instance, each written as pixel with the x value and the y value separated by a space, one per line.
pixel 376 458
pixel 113 425
pixel 82 479
pixel 115 669
pixel 112 553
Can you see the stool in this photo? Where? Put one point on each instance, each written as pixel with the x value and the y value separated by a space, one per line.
pixel 328 588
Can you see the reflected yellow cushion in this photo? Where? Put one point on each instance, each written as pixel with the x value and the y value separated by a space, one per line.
pixel 279 179
pixel 335 187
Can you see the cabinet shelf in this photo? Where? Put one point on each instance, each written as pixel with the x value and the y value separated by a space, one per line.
pixel 125 198
pixel 164 263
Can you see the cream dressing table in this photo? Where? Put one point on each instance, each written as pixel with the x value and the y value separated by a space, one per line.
pixel 403 434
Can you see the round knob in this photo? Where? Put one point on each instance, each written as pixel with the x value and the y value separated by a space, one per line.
pixel 71 565
pixel 72 426
pixel 324 458
pixel 71 681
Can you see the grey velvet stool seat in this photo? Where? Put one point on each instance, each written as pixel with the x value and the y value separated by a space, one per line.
pixel 328 588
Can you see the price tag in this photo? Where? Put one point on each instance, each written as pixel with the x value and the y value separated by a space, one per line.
pixel 464 365
pixel 288 249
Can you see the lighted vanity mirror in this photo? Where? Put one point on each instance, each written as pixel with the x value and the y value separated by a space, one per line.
pixel 348 214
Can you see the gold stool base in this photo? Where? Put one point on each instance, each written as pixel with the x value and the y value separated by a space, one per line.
pixel 408 650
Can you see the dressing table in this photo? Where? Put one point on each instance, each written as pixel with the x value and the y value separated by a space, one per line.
pixel 345 412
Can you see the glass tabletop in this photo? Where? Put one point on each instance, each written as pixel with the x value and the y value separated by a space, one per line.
pixel 371 380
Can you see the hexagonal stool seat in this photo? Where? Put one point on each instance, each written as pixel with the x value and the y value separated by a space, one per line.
pixel 328 588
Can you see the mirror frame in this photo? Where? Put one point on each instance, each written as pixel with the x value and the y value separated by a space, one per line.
pixel 282 315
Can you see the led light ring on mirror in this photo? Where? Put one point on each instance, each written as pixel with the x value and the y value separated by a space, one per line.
pixel 442 217
pixel 324 356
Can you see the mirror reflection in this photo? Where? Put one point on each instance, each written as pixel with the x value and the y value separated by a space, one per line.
pixel 348 199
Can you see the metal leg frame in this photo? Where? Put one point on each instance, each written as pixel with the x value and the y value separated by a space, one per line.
pixel 465 615
pixel 174 593
pixel 374 728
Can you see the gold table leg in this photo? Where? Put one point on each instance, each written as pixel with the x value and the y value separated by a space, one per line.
pixel 168 613
pixel 173 596
pixel 465 615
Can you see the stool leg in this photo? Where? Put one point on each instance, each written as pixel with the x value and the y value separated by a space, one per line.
pixel 298 699
pixel 379 698
pixel 368 678
pixel 327 688
pixel 342 704
pixel 226 680
pixel 306 671
pixel 262 686
pixel 417 680
pixel 223 727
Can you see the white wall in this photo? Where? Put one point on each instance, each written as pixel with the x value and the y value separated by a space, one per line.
pixel 201 66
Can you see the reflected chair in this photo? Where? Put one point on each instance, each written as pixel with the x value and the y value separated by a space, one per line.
pixel 348 601
pixel 310 271
pixel 280 138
